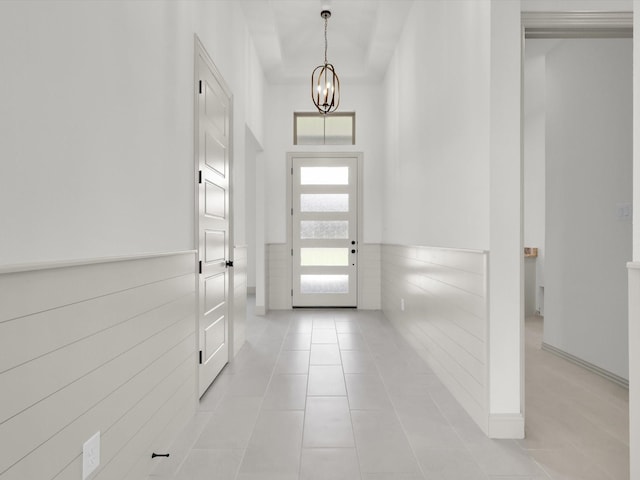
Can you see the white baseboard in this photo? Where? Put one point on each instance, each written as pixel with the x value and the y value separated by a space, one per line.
pixel 506 426
pixel 623 382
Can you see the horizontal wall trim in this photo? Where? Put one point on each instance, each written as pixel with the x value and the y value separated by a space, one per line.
pixel 578 24
pixel 623 382
pixel 633 265
pixel 448 249
pixel 29 267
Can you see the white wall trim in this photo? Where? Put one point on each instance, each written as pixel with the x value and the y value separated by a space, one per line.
pixel 578 24
pixel 30 267
pixel 506 426
pixel 623 382
pixel 446 249
pixel 634 365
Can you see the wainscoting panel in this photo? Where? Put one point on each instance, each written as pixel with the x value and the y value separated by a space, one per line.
pixel 279 276
pixel 438 299
pixel 369 276
pixel 106 345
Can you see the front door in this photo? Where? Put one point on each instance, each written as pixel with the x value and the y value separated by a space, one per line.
pixel 325 231
pixel 213 158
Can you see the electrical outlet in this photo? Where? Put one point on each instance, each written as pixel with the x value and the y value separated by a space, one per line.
pixel 90 455
pixel 402 304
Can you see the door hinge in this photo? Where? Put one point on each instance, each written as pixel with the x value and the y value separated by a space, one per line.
pixel 199 176
pixel 200 266
pixel 292 211
pixel 292 252
pixel 291 170
pixel 292 292
pixel 200 357
pixel 200 86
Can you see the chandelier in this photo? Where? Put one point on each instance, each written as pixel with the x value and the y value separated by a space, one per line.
pixel 325 84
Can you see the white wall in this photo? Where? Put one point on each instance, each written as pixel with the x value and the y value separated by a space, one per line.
pixel 280 103
pixel 577 5
pixel 436 189
pixel 97 123
pixel 534 155
pixel 250 212
pixel 96 149
pixel 452 172
pixel 589 168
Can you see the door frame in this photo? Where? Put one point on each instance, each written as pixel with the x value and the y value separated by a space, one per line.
pixel 201 54
pixel 561 25
pixel 289 212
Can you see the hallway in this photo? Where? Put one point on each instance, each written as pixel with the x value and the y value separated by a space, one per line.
pixel 311 391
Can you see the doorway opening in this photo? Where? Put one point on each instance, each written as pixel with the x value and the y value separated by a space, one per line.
pixel 577 159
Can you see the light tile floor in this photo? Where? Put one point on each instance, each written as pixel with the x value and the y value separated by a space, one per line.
pixel 338 394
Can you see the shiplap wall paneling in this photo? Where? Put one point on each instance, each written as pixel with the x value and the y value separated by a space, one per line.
pixel 369 257
pixel 106 345
pixel 444 316
pixel 279 262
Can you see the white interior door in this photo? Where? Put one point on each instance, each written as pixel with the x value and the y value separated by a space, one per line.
pixel 325 231
pixel 213 153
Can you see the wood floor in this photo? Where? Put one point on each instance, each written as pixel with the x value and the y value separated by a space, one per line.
pixel 577 422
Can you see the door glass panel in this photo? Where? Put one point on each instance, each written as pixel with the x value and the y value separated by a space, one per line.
pixel 324 257
pixel 324 175
pixel 324 229
pixel 324 202
pixel 324 284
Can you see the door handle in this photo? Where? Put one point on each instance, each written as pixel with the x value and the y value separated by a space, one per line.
pixel 229 263
pixel 353 251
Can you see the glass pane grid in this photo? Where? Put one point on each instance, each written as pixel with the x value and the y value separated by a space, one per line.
pixel 324 284
pixel 317 129
pixel 324 229
pixel 324 175
pixel 324 257
pixel 324 202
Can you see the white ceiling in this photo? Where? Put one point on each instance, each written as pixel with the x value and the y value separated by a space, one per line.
pixel 289 36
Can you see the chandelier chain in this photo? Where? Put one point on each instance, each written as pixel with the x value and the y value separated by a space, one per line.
pixel 326 21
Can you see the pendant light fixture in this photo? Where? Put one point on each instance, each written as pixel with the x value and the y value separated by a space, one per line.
pixel 325 84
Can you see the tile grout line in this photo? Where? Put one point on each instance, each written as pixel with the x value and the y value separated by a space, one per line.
pixel 244 453
pixel 344 378
pixel 395 412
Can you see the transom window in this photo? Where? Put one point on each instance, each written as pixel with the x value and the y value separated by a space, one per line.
pixel 313 128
